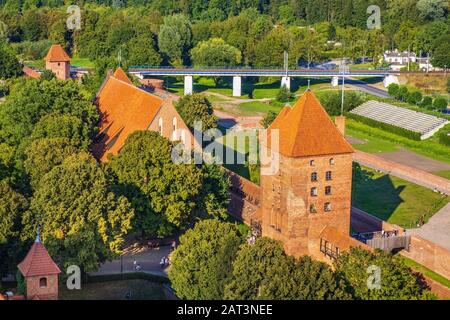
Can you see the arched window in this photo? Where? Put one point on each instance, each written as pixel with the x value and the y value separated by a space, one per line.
pixel 331 161
pixel 174 128
pixel 160 126
pixel 312 163
pixel 314 176
pixel 43 283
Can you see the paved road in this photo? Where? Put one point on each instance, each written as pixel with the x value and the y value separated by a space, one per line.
pixel 402 171
pixel 437 229
pixel 148 260
pixel 364 86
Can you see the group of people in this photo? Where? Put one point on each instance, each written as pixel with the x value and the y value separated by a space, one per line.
pixel 164 262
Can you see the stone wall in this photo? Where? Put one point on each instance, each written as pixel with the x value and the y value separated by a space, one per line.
pixel 50 292
pixel 430 255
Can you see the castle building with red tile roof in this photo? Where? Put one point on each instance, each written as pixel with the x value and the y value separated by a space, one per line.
pixel 40 273
pixel 58 61
pixel 125 108
pixel 306 204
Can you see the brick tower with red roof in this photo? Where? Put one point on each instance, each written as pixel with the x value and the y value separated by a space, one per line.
pixel 40 273
pixel 58 61
pixel 311 191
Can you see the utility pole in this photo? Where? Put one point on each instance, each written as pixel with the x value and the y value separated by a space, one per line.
pixel 343 68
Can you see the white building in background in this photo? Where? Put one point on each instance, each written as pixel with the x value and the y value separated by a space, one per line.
pixel 399 60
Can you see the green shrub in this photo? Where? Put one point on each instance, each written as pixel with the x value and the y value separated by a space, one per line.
pixel 393 90
pixel 444 136
pixel 427 102
pixel 284 95
pixel 440 103
pixel 387 127
pixel 415 97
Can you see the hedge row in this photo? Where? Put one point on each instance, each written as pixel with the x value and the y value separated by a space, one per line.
pixel 444 136
pixel 127 276
pixel 387 127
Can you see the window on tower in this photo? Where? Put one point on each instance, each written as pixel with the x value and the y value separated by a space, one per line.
pixel 328 176
pixel 327 190
pixel 312 163
pixel 314 176
pixel 314 192
pixel 331 161
pixel 327 207
pixel 43 282
pixel 312 208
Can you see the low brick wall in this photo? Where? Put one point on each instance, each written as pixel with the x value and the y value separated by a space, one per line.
pixel 430 255
pixel 361 221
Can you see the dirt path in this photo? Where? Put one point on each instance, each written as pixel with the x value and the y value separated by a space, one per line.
pixel 402 171
pixel 235 101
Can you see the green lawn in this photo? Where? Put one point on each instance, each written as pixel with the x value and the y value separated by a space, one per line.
pixel 82 62
pixel 382 141
pixel 115 290
pixel 426 272
pixel 443 174
pixel 394 200
pixel 260 90
pixel 257 107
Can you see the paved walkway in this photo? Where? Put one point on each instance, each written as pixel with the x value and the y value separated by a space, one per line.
pixel 147 259
pixel 402 171
pixel 437 229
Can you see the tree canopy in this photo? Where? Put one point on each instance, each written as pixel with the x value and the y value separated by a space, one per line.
pixel 396 279
pixel 202 263
pixel 9 65
pixel 82 222
pixel 196 107
pixel 215 52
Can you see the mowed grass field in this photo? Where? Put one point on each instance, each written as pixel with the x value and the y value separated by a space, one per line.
pixel 395 200
pixel 115 290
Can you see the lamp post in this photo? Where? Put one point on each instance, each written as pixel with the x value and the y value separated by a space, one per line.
pixel 343 69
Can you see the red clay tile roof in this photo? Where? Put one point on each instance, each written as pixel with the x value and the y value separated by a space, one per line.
pixel 38 262
pixel 123 109
pixel 307 130
pixel 121 75
pixel 30 72
pixel 57 54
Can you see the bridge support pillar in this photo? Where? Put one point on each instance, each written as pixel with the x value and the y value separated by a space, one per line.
pixel 237 85
pixel 188 85
pixel 335 81
pixel 390 79
pixel 286 82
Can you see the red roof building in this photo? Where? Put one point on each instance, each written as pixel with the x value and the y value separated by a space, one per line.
pixel 58 61
pixel 40 273
pixel 57 54
pixel 125 108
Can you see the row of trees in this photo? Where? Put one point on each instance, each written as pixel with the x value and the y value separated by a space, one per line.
pixel 49 179
pixel 213 261
pixel 402 93
pixel 252 36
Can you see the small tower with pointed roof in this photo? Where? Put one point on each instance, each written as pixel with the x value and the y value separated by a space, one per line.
pixel 40 273
pixel 312 188
pixel 58 61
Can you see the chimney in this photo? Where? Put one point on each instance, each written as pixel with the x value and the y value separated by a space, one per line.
pixel 340 124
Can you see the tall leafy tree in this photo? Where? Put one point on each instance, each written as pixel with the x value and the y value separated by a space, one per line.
pixel 164 194
pixel 396 279
pixel 202 263
pixel 175 37
pixel 196 107
pixel 12 207
pixel 82 222
pixel 9 65
pixel 215 52
pixel 264 271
